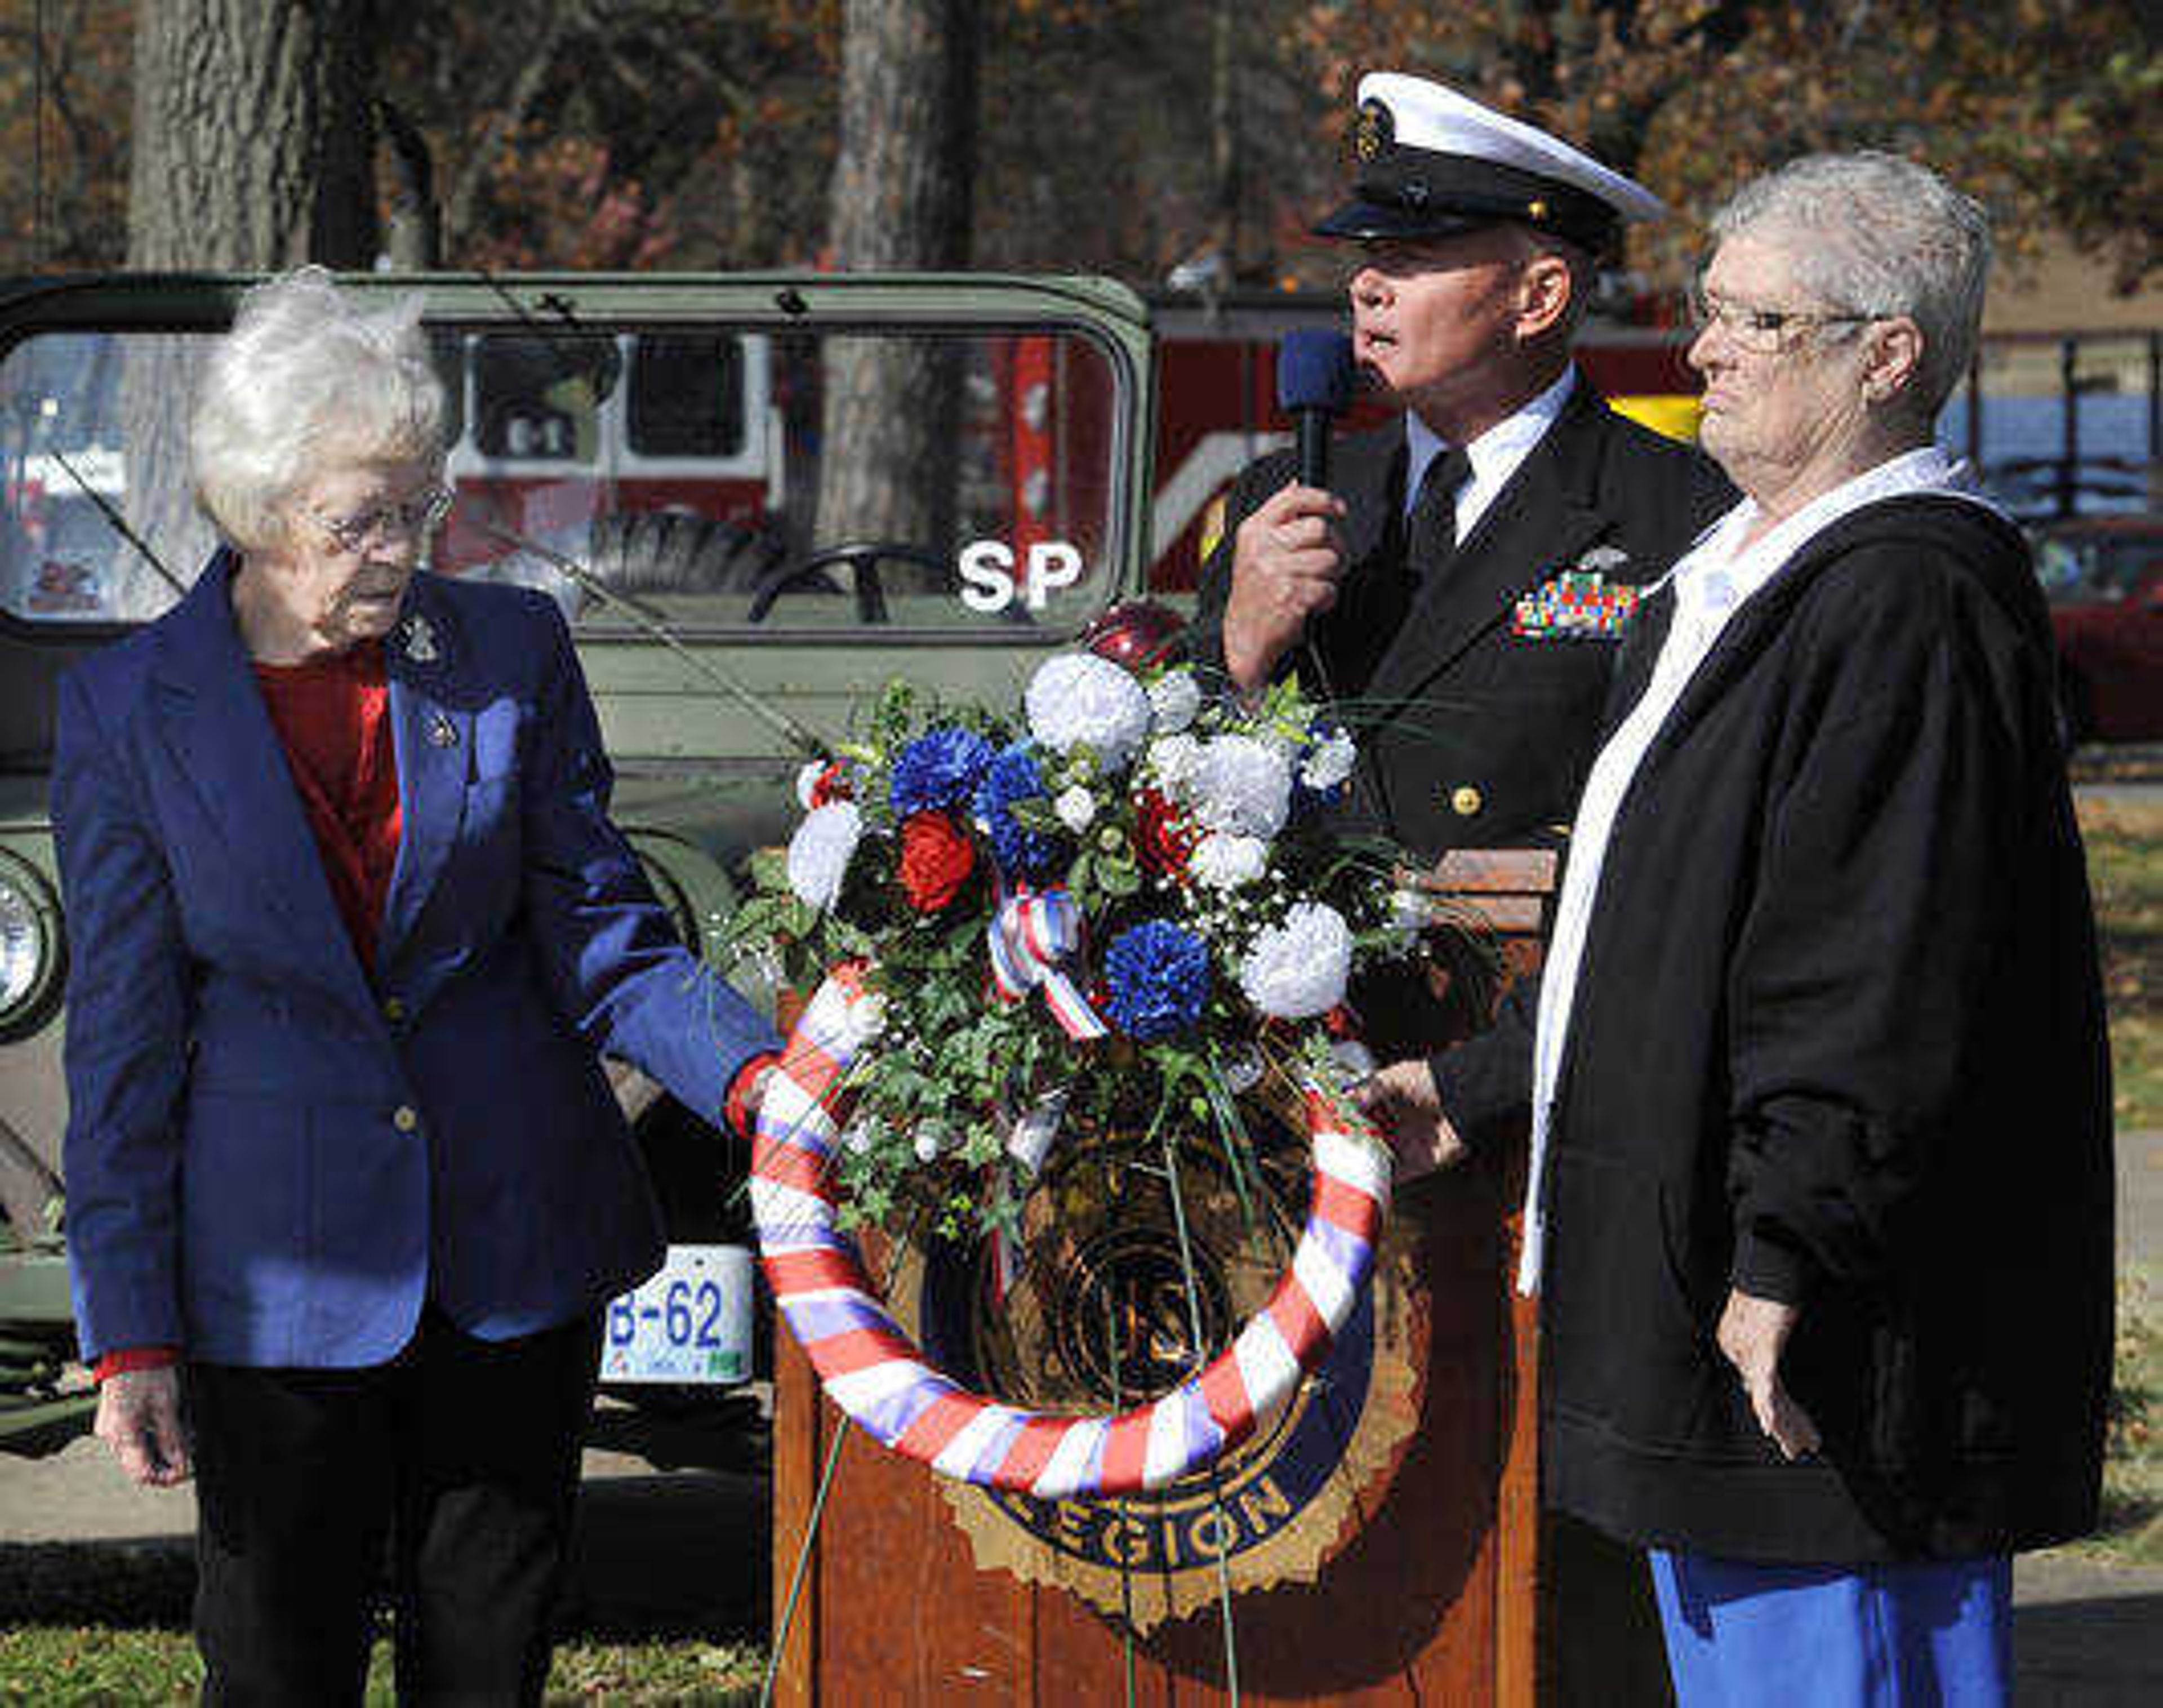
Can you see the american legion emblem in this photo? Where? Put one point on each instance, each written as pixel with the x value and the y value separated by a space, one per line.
pixel 1099 1316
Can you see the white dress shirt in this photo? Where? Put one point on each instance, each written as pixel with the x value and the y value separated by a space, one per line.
pixel 1495 455
pixel 1712 581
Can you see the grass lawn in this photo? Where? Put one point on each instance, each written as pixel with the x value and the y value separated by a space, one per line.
pixel 94 1665
pixel 2125 868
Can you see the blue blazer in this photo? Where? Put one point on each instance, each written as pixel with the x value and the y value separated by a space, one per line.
pixel 274 1158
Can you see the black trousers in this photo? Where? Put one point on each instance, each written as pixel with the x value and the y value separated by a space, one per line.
pixel 461 1456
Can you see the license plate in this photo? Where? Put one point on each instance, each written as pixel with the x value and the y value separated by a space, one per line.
pixel 689 1323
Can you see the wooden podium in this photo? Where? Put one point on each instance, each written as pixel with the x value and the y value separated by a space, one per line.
pixel 1436 1582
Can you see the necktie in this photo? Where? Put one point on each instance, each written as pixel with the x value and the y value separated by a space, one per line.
pixel 1431 531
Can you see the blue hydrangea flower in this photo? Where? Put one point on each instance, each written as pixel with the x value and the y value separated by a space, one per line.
pixel 1156 977
pixel 1021 852
pixel 937 770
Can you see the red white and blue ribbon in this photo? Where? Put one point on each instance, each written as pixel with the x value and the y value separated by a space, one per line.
pixel 871 1369
pixel 1031 938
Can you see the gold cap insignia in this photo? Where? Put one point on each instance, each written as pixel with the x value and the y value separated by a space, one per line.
pixel 1536 210
pixel 1374 131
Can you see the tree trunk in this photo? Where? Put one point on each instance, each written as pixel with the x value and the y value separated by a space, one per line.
pixel 254 147
pixel 254 143
pixel 1225 185
pixel 900 201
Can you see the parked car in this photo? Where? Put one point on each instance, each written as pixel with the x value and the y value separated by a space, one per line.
pixel 2103 575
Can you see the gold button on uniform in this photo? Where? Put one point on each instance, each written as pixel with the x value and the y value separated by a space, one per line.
pixel 393 1010
pixel 1466 800
pixel 405 1117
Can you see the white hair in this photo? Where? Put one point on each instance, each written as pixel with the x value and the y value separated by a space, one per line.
pixel 1872 234
pixel 307 378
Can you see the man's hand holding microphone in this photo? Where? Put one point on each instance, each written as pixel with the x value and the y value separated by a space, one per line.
pixel 1287 556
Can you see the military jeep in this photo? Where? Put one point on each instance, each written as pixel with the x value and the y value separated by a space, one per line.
pixel 757 498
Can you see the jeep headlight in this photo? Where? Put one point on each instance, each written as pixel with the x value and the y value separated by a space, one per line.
pixel 30 945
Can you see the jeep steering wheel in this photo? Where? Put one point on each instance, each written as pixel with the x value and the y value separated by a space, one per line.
pixel 863 558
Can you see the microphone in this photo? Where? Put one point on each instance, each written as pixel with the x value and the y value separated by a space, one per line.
pixel 1315 376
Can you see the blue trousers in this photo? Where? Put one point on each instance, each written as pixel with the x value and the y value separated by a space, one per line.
pixel 1743 1635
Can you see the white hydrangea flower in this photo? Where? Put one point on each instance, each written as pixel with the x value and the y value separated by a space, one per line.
pixel 1222 861
pixel 1076 807
pixel 1242 785
pixel 1174 697
pixel 1078 697
pixel 1298 970
pixel 1172 763
pixel 1331 763
pixel 820 852
pixel 931 1139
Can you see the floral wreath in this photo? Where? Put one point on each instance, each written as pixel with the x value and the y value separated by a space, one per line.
pixel 1123 911
pixel 875 1374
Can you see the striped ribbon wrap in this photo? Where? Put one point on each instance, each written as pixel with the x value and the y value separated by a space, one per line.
pixel 871 1369
pixel 1031 937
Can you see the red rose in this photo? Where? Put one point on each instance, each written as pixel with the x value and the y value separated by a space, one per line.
pixel 1164 836
pixel 936 859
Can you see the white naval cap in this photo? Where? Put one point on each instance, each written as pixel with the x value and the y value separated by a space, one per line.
pixel 1433 163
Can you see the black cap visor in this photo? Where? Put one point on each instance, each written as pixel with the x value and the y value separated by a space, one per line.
pixel 1412 193
pixel 1379 222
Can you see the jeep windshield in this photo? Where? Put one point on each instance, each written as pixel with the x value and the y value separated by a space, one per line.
pixel 831 461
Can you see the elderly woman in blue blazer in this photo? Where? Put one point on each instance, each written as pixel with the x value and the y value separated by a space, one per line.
pixel 352 928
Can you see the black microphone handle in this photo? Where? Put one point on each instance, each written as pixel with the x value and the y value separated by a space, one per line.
pixel 1313 447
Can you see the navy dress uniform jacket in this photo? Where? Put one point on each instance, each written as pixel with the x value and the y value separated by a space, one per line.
pixel 1472 736
pixel 1838 1039
pixel 275 1155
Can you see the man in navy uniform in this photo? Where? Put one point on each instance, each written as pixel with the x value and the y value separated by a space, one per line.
pixel 1463 586
pixel 1467 576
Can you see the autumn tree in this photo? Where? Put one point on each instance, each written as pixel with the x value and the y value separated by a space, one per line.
pixel 621 134
pixel 64 75
pixel 2041 107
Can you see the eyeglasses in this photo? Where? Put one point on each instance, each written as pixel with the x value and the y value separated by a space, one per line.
pixel 1764 331
pixel 415 518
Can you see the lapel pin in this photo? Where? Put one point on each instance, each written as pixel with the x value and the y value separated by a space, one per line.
pixel 420 640
pixel 442 733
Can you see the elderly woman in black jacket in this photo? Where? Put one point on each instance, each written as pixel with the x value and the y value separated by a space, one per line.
pixel 1821 1204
